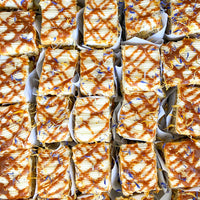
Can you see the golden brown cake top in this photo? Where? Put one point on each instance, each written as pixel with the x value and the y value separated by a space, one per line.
pixel 15 174
pixel 138 172
pixel 182 161
pixel 17 33
pixel 136 197
pixel 188 110
pixel 103 196
pixel 92 167
pixel 180 59
pixel 13 76
pixel 53 177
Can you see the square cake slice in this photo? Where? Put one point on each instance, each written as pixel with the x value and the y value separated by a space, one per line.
pixel 187 120
pixel 97 72
pixel 142 18
pixel 138 171
pixel 53 118
pixel 58 22
pixel 53 176
pixel 15 174
pixel 181 63
pixel 138 116
pixel 184 17
pixel 141 68
pixel 18 35
pixel 57 72
pixel 100 23
pixel 16 4
pixel 103 196
pixel 92 167
pixel 182 161
pixel 15 126
pixel 13 75
pixel 92 119
pixel 137 197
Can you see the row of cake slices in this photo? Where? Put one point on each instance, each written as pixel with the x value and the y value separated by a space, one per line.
pixel 101 24
pixel 141 70
pixel 93 165
pixel 138 115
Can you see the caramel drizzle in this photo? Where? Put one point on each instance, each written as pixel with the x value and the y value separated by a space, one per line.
pixel 19 20
pixel 98 11
pixel 103 75
pixel 63 32
pixel 48 181
pixel 15 85
pixel 53 121
pixel 139 181
pixel 147 50
pixel 56 72
pixel 188 195
pixel 174 54
pixel 191 106
pixel 141 16
pixel 8 164
pixel 181 19
pixel 90 151
pixel 22 126
pixel 23 4
pixel 183 158
pixel 93 112
pixel 150 105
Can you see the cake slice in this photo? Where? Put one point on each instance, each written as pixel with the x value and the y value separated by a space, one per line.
pixel 53 176
pixel 187 109
pixel 100 23
pixel 181 63
pixel 13 75
pixel 92 119
pixel 138 116
pixel 92 167
pixel 138 172
pixel 97 72
pixel 15 174
pixel 182 161
pixel 58 22
pixel 15 126
pixel 16 4
pixel 53 118
pixel 141 68
pixel 57 72
pixel 184 17
pixel 142 18
pixel 18 35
